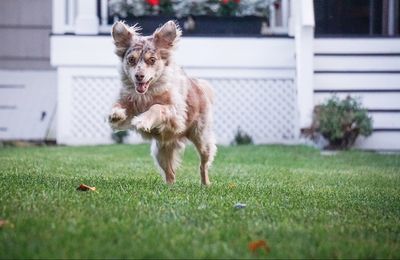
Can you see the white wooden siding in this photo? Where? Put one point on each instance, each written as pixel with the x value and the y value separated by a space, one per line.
pixel 71 50
pixel 357 45
pixel 386 119
pixel 25 27
pixel 354 81
pixel 357 63
pixel 27 104
pixel 380 141
pixel 369 100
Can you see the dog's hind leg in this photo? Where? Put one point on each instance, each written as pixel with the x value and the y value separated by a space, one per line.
pixel 167 158
pixel 205 145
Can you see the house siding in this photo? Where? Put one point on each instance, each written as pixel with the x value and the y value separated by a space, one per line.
pixel 28 83
pixel 25 27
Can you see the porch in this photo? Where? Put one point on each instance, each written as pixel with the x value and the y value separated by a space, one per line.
pixel 255 90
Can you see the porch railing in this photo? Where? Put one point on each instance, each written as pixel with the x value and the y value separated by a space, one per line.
pixel 92 17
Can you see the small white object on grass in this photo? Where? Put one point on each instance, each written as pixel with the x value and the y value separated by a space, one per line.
pixel 239 205
pixel 329 152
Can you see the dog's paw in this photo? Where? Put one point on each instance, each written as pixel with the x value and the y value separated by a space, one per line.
pixel 117 116
pixel 140 123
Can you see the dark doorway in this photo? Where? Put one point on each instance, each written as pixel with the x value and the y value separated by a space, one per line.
pixel 357 17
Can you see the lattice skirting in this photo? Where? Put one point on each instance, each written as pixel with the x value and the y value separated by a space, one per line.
pixel 265 109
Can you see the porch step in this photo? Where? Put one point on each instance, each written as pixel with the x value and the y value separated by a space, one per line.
pixel 380 140
pixel 357 45
pixel 341 80
pixel 370 100
pixel 368 69
pixel 382 63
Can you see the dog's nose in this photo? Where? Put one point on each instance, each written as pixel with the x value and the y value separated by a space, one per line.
pixel 139 76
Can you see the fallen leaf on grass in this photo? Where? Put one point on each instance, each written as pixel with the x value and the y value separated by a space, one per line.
pixel 259 244
pixel 84 187
pixel 3 223
pixel 231 185
pixel 6 223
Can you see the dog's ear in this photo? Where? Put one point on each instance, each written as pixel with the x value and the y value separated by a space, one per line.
pixel 167 35
pixel 123 37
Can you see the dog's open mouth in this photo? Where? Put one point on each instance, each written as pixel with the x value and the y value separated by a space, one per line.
pixel 141 87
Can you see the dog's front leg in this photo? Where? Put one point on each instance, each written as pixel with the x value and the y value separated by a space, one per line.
pixel 152 118
pixel 118 118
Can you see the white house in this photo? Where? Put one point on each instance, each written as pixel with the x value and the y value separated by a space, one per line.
pixel 269 90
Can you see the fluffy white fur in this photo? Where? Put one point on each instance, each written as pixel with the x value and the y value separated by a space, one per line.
pixel 159 101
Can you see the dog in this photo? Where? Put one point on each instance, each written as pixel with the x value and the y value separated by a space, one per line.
pixel 159 101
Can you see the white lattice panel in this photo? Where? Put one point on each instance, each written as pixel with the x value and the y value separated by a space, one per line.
pixel 266 109
pixel 263 108
pixel 92 99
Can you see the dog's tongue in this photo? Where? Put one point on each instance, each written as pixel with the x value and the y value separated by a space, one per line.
pixel 141 87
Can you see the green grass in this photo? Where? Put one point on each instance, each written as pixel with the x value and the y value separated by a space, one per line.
pixel 303 204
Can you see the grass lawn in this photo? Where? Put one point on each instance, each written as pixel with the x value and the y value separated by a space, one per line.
pixel 303 204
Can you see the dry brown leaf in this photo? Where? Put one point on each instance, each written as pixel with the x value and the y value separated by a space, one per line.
pixel 231 185
pixel 6 223
pixel 84 187
pixel 3 223
pixel 259 244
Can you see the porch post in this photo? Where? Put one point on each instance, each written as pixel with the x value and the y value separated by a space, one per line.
pixel 291 18
pixel 87 21
pixel 58 16
pixel 304 38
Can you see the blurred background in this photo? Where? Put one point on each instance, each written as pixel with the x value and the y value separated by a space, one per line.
pixel 271 62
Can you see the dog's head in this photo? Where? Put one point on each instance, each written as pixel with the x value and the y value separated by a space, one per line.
pixel 144 57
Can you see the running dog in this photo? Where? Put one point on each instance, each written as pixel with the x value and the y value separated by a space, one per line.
pixel 159 101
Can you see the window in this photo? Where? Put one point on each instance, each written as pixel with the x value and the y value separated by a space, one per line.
pixel 357 17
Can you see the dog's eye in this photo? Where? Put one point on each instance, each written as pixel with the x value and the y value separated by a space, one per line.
pixel 131 60
pixel 151 60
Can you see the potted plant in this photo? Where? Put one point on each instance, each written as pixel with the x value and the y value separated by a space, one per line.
pixel 341 122
pixel 197 17
pixel 241 138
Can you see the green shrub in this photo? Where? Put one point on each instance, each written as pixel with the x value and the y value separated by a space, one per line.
pixel 341 121
pixel 119 136
pixel 241 138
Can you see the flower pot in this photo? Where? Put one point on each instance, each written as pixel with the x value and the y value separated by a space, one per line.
pixel 225 26
pixel 149 23
pixel 345 142
pixel 203 25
